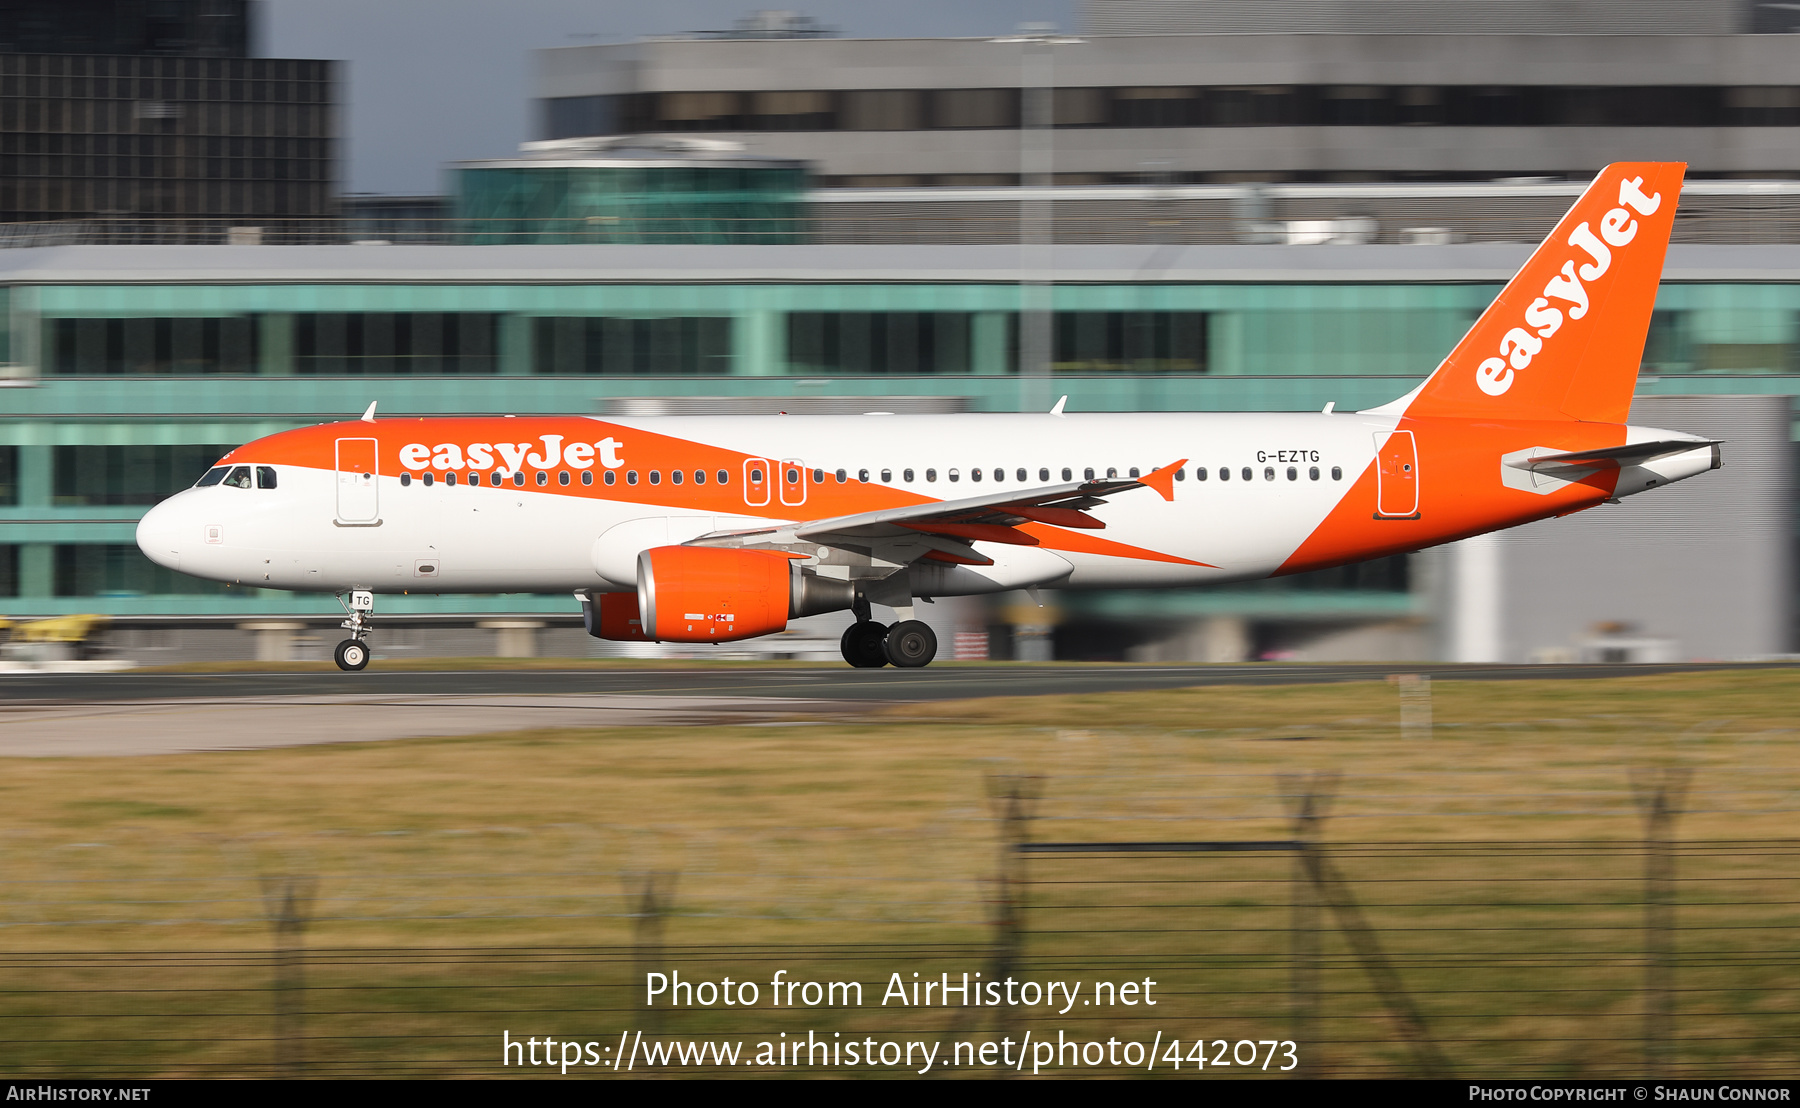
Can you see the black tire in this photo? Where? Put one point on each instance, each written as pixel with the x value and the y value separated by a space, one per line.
pixel 861 645
pixel 910 644
pixel 351 655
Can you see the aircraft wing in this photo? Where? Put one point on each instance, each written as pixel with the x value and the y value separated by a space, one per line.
pixel 947 527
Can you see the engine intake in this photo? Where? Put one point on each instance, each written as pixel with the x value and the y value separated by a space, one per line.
pixel 715 594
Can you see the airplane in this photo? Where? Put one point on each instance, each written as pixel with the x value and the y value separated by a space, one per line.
pixel 714 529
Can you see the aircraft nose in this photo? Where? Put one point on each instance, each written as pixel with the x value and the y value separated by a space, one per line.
pixel 160 534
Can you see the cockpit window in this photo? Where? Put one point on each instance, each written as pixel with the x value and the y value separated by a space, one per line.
pixel 212 476
pixel 265 477
pixel 239 477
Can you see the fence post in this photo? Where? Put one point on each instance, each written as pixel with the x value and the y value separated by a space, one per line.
pixel 1659 792
pixel 1307 796
pixel 287 902
pixel 1011 797
pixel 652 893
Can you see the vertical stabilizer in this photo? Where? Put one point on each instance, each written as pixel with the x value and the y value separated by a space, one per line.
pixel 1565 337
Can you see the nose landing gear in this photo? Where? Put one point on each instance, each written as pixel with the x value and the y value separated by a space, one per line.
pixel 352 654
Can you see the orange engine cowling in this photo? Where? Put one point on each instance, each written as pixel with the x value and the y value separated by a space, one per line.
pixel 710 594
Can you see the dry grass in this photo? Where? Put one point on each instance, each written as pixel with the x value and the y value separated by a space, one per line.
pixel 880 833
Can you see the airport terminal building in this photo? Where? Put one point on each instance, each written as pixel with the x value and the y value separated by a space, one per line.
pixel 130 367
pixel 1193 205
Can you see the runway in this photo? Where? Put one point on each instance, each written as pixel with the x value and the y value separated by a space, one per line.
pixel 829 682
pixel 114 714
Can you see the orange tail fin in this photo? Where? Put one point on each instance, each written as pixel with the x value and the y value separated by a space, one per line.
pixel 1565 337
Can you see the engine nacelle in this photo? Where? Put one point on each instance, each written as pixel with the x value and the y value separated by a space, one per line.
pixel 716 594
pixel 613 615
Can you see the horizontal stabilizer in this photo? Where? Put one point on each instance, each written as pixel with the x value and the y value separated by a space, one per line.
pixel 1629 454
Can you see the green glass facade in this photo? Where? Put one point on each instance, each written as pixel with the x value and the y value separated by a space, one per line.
pixel 525 203
pixel 122 393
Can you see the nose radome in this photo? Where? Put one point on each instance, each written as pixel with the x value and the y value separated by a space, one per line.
pixel 159 535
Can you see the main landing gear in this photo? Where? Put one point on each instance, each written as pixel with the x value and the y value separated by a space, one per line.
pixel 908 644
pixel 352 654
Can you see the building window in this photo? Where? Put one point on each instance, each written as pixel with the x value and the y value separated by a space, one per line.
pixel 664 347
pixel 170 346
pixel 83 476
pixel 1130 342
pixel 120 569
pixel 907 343
pixel 332 344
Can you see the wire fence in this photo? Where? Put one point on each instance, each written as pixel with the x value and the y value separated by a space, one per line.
pixel 1237 910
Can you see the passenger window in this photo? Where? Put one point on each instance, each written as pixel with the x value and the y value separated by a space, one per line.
pixel 587 476
pixel 1337 473
pixel 1224 473
pixel 631 477
pixel 562 476
pixel 427 479
pixel 954 475
pixel 1199 473
pixel 974 474
pixel 1043 474
pixel 265 477
pixel 1246 475
pixel 1112 472
pixel 239 478
pixel 1021 476
pixel 723 477
pixel 449 478
pixel 841 476
pixel 542 478
pixel 1068 474
pixel 611 477
pixel 676 476
pixel 474 478
pixel 818 477
pixel 863 476
pixel 1181 474
pixel 887 475
pixel 518 480
pixel 756 477
pixel 699 477
pixel 1313 473
pixel 1088 473
pixel 405 480
pixel 212 477
pixel 656 477
pixel 1293 474
pixel 907 475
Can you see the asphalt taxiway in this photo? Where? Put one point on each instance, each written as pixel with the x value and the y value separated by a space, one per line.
pixel 127 713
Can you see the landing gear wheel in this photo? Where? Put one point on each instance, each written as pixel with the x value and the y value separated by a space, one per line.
pixel 351 655
pixel 910 644
pixel 861 644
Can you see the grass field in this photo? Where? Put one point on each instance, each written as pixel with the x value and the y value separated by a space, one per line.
pixel 1498 863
